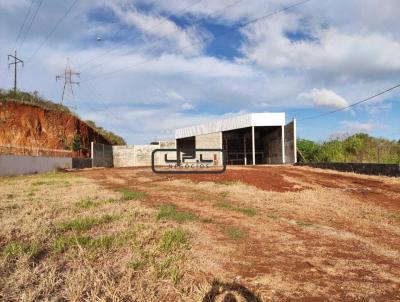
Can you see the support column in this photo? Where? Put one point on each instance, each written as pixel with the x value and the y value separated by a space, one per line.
pixel 295 140
pixel 283 144
pixel 253 145
pixel 92 152
pixel 245 152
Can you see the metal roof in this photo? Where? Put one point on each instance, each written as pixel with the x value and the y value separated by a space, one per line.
pixel 242 121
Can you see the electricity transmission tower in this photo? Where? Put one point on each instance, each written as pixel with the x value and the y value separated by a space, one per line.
pixel 68 78
pixel 15 63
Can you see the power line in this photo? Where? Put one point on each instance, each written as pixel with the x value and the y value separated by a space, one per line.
pixel 15 63
pixel 107 112
pixel 23 23
pixel 30 24
pixel 68 81
pixel 352 105
pixel 146 30
pixel 209 38
pixel 176 30
pixel 53 29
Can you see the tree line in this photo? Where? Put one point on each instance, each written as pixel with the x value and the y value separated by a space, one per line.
pixel 357 148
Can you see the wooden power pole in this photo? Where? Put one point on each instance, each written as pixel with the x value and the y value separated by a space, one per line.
pixel 15 63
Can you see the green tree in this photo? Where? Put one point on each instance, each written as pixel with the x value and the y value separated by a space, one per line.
pixel 76 143
pixel 309 149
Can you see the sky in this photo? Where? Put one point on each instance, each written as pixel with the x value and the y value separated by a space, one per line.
pixel 161 65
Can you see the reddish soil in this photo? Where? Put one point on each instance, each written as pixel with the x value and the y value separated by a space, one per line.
pixel 31 126
pixel 295 248
pixel 264 179
pixel 272 178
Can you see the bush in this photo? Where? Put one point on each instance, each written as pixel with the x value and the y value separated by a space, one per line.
pixel 359 147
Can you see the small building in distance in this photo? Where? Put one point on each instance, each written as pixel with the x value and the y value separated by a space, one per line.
pixel 249 139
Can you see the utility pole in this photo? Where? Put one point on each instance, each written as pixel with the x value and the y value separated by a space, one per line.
pixel 68 81
pixel 15 63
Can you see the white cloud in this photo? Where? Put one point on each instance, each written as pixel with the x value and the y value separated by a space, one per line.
pixel 354 127
pixel 173 95
pixel 327 52
pixel 187 106
pixel 324 98
pixel 188 40
pixel 352 56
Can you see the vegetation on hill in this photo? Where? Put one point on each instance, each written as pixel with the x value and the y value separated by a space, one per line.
pixel 112 137
pixel 34 99
pixel 359 147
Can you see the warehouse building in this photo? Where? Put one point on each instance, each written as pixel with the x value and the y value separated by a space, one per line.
pixel 249 139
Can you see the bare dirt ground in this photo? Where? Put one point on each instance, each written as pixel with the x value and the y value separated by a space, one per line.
pixel 286 233
pixel 273 233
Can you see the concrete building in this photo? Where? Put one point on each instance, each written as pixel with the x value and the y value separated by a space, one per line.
pixel 254 138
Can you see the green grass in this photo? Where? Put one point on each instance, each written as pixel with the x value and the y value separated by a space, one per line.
pixel 231 207
pixel 170 212
pixel 100 243
pixel 224 194
pixel 110 200
pixel 395 216
pixel 50 182
pixel 17 248
pixel 30 194
pixel 131 195
pixel 272 216
pixel 170 268
pixel 141 260
pixel 86 223
pixel 174 239
pixel 303 223
pixel 230 182
pixel 233 233
pixel 86 203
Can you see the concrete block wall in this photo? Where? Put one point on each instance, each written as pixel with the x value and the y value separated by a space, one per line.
pixel 140 155
pixel 273 147
pixel 210 141
pixel 290 143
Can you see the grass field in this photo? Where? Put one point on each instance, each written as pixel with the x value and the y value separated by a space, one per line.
pixel 130 235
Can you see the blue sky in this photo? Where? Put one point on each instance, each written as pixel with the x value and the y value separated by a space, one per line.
pixel 162 65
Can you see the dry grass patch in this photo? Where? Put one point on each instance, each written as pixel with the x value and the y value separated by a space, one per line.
pixel 89 256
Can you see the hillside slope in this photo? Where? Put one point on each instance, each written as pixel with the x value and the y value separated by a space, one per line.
pixel 32 126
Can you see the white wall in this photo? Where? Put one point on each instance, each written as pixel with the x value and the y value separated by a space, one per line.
pixel 140 155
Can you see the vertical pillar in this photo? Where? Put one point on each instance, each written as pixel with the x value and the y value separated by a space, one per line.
pixel 91 149
pixel 295 140
pixel 283 144
pixel 245 151
pixel 253 145
pixel 92 153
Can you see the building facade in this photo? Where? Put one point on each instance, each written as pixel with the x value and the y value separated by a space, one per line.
pixel 249 139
